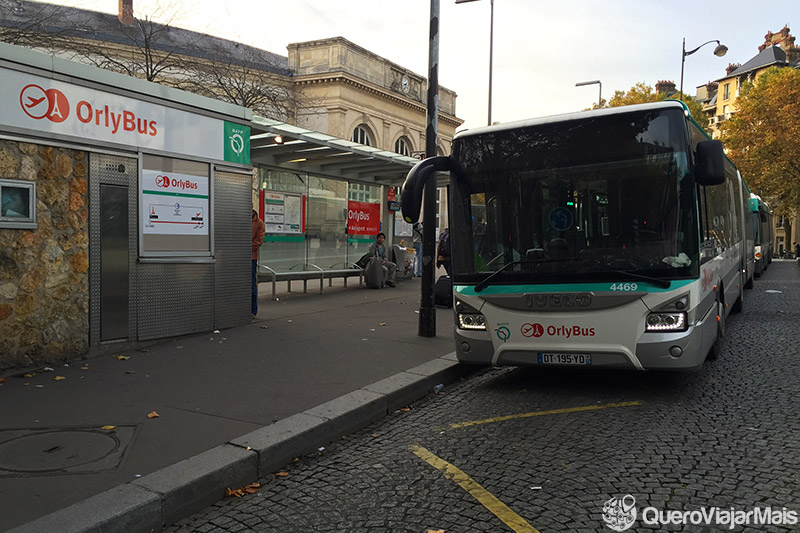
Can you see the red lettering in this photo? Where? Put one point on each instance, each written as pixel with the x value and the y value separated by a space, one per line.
pixel 115 121
pixel 141 125
pixel 84 106
pixel 153 131
pixel 128 123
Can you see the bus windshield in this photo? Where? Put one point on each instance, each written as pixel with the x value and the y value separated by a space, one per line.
pixel 577 200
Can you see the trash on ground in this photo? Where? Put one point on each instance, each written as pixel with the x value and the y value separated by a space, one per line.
pixel 153 414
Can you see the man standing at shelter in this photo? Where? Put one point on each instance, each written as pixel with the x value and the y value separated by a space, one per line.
pixel 259 230
pixel 378 249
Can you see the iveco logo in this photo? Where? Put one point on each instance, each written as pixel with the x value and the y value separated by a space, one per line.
pixel 558 300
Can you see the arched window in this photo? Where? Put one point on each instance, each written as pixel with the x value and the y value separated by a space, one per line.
pixel 361 135
pixel 402 146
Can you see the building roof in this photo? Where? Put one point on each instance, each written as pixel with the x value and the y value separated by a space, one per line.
pixel 85 24
pixel 772 55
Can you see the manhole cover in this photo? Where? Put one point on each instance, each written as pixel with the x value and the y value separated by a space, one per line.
pixel 62 450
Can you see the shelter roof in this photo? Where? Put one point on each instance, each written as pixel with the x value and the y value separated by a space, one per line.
pixel 292 148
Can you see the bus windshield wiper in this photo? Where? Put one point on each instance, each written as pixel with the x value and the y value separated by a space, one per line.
pixel 663 283
pixel 485 283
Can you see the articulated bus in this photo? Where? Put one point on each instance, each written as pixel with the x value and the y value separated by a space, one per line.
pixel 762 226
pixel 607 238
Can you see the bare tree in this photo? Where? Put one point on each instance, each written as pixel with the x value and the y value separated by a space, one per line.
pixel 23 23
pixel 146 49
pixel 244 76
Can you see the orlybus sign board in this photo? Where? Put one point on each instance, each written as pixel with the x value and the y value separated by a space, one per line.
pixel 43 105
pixel 363 218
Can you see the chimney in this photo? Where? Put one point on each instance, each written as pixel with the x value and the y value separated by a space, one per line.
pixel 126 12
pixel 665 87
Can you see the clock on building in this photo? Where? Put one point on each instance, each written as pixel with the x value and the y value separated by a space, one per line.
pixel 404 84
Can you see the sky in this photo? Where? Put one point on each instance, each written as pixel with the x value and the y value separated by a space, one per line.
pixel 541 48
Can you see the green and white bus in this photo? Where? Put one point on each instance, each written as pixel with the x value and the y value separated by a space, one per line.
pixel 762 228
pixel 606 238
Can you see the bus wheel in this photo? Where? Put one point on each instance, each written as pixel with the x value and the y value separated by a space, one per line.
pixel 716 348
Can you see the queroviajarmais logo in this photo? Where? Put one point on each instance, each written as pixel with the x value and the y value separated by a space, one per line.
pixel 619 514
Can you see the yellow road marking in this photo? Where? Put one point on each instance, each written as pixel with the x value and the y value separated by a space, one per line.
pixel 484 497
pixel 543 413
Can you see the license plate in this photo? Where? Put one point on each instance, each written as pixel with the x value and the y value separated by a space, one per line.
pixel 579 359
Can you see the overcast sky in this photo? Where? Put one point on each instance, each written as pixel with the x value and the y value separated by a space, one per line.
pixel 542 48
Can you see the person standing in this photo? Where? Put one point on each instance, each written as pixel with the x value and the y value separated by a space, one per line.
pixel 443 251
pixel 417 243
pixel 259 230
pixel 378 249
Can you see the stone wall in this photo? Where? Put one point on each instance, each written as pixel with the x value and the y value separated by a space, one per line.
pixel 44 273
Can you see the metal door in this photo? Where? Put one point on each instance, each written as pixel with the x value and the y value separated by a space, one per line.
pixel 114 263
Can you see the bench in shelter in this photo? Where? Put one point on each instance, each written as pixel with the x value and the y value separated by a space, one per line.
pixel 309 271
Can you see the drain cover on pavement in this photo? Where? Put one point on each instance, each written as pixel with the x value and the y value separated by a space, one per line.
pixel 27 452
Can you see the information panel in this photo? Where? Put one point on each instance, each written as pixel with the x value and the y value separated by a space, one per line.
pixel 174 204
pixel 283 213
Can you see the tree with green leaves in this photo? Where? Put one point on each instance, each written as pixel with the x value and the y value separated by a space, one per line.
pixel 642 93
pixel 763 137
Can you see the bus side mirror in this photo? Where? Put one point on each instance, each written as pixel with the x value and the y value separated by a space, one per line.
pixel 418 176
pixel 710 168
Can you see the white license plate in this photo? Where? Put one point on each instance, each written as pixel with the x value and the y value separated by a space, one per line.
pixel 579 359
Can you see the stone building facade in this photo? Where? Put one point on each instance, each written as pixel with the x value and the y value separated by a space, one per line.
pixel 44 273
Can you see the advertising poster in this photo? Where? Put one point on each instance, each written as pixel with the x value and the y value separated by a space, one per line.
pixel 174 204
pixel 283 213
pixel 363 218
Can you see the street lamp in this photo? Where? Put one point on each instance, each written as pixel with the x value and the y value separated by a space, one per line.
pixel 719 51
pixel 600 94
pixel 491 45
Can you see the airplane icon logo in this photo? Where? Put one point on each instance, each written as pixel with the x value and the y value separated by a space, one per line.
pixel 38 103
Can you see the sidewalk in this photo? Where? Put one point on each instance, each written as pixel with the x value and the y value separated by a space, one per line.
pixel 209 389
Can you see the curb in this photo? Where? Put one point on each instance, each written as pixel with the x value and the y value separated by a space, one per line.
pixel 165 496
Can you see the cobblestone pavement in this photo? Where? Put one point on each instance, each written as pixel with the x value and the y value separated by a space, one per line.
pixel 727 436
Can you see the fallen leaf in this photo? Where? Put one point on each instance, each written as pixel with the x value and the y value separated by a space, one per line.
pixel 122 357
pixel 252 488
pixel 108 428
pixel 282 474
pixel 130 371
pixel 179 347
pixel 382 324
pixel 85 367
pixel 3 380
pixel 263 327
pixel 436 531
pixel 234 492
pixel 152 414
pixel 30 374
pixel 59 378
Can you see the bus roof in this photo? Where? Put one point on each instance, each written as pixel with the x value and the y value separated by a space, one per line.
pixel 565 117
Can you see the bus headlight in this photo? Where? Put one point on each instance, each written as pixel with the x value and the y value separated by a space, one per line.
pixel 474 321
pixel 666 322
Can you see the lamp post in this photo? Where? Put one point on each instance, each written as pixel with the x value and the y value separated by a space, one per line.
pixel 719 51
pixel 491 46
pixel 600 93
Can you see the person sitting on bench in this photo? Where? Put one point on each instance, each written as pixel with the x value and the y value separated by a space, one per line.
pixel 378 249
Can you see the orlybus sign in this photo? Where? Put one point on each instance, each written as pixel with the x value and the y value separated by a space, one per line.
pixel 54 107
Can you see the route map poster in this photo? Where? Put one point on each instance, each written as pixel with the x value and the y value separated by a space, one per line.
pixel 283 213
pixel 174 204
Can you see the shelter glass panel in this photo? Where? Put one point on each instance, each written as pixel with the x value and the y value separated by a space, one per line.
pixel 327 222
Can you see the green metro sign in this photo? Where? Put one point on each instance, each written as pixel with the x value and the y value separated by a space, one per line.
pixel 237 143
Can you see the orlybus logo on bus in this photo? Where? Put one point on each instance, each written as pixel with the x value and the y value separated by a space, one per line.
pixel 538 330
